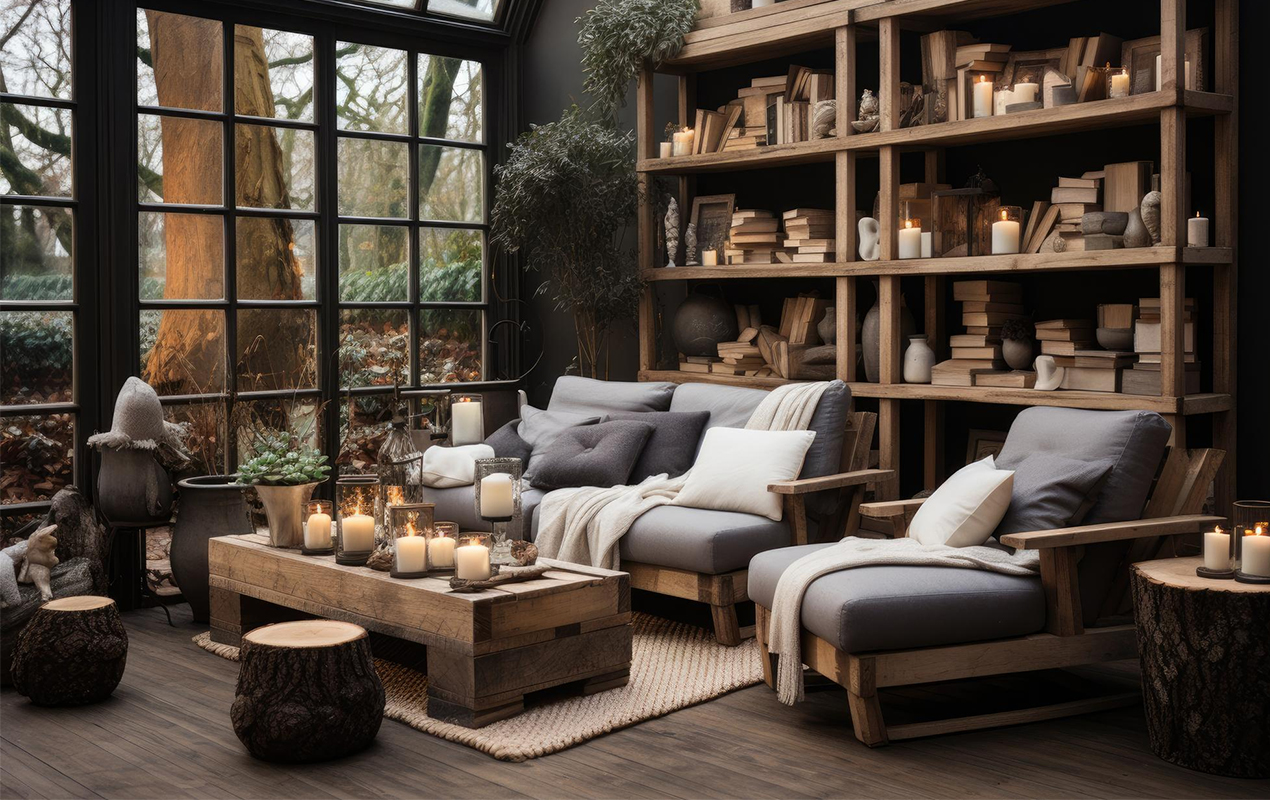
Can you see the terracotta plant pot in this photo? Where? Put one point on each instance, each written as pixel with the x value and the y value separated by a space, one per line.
pixel 210 506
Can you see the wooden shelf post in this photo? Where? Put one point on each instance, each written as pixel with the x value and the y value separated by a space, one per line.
pixel 1226 222
pixel 646 141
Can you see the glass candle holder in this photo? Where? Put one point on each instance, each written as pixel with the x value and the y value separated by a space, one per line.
pixel 357 510
pixel 498 501
pixel 1007 230
pixel 1118 82
pixel 1250 545
pixel 445 539
pixel 432 410
pixel 467 422
pixel 317 519
pixel 910 238
pixel 472 557
pixel 411 531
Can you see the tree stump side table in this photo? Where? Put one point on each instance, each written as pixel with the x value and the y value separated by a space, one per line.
pixel 307 691
pixel 73 651
pixel 1205 650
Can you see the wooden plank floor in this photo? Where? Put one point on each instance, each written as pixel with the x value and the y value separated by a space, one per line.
pixel 166 734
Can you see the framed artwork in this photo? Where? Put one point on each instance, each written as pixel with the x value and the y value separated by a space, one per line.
pixel 712 214
pixel 1138 56
pixel 982 444
pixel 1028 66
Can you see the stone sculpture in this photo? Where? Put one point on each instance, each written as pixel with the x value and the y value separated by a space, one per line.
pixel 690 245
pixel 870 239
pixel 1150 212
pixel 672 231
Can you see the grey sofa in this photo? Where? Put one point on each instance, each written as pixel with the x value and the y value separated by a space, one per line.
pixel 697 554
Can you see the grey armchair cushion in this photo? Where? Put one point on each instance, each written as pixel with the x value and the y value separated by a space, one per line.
pixel 588 396
pixel 1052 492
pixel 591 455
pixel 539 428
pixel 899 607
pixel 672 447
pixel 508 444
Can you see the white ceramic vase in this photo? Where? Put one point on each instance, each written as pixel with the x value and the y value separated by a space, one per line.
pixel 918 360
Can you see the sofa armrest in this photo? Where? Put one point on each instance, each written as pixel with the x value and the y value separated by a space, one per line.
pixel 1111 532
pixel 891 508
pixel 839 481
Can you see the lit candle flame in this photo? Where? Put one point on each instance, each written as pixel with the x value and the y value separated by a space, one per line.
pixel 410 529
pixel 1218 529
pixel 908 223
pixel 983 78
pixel 1259 529
pixel 1003 215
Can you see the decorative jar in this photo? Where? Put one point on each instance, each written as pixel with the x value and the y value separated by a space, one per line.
pixel 317 518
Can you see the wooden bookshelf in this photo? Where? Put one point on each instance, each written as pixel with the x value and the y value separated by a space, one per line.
pixel 803 25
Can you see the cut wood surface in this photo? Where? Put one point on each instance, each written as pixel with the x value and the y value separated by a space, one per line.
pixel 311 633
pixel 79 603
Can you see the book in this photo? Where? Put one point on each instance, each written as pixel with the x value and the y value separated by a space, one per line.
pixel 1042 230
pixel 1116 315
pixel 982 65
pixel 1103 359
pixel 960 372
pixel 813 258
pixel 774 237
pixel 1125 185
pixel 999 291
pixel 986 318
pixel 1051 348
pixel 689 366
pixel 1091 380
pixel 796 213
pixel 1065 335
pixel 751 213
pixel 1081 183
pixel 1072 212
pixel 756 225
pixel 982 306
pixel 999 379
pixel 773 80
pixel 1074 194
pixel 1146 337
pixel 1049 324
pixel 730 122
pixel 1145 381
pixel 1039 209
pixel 971 340
pixel 992 352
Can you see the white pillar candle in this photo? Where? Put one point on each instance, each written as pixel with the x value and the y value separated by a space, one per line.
pixel 981 99
pixel 910 240
pixel 1000 99
pixel 472 562
pixel 1216 550
pixel 666 149
pixel 928 241
pixel 317 532
pixel 496 495
pixel 411 553
pixel 465 418
pixel 1005 236
pixel 683 143
pixel 709 258
pixel 1256 555
pixel 442 548
pixel 1159 73
pixel 1024 92
pixel 1197 231
pixel 358 532
pixel 1119 84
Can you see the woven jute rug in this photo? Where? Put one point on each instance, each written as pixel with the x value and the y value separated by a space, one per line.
pixel 673 666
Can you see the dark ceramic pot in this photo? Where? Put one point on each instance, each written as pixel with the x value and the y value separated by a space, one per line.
pixel 210 506
pixel 121 487
pixel 701 322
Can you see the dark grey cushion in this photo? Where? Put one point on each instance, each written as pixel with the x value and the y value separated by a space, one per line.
pixel 899 607
pixel 508 444
pixel 592 455
pixel 1052 492
pixel 588 396
pixel 458 504
pixel 673 446
pixel 539 428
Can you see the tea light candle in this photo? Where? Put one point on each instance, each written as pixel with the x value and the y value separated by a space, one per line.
pixel 317 532
pixel 928 241
pixel 411 553
pixel 911 240
pixel 683 143
pixel 1197 231
pixel 1025 92
pixel 981 99
pixel 1119 84
pixel 1217 550
pixel 709 258
pixel 1256 553
pixel 465 418
pixel 442 552
pixel 666 149
pixel 496 496
pixel 358 531
pixel 472 562
pixel 1005 236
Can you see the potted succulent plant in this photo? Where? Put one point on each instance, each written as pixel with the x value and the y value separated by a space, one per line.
pixel 284 475
pixel 1016 343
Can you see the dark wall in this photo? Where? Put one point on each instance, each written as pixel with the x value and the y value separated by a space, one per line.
pixel 1026 170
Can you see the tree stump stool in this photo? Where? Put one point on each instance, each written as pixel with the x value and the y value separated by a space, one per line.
pixel 307 691
pixel 72 651
pixel 1205 650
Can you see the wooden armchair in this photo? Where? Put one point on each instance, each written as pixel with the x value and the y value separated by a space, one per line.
pixel 1177 497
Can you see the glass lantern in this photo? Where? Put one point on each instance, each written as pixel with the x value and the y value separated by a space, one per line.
pixel 400 468
pixel 411 531
pixel 357 512
pixel 316 518
pixel 963 218
pixel 433 410
pixel 1250 541
pixel 445 539
pixel 498 502
pixel 467 422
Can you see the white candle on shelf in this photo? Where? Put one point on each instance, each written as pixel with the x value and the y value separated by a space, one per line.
pixel 910 240
pixel 1119 84
pixel 981 105
pixel 667 149
pixel 317 532
pixel 411 553
pixel 683 143
pixel 1000 99
pixel 709 258
pixel 1256 560
pixel 928 241
pixel 1005 236
pixel 465 420
pixel 472 562
pixel 496 495
pixel 358 532
pixel 1197 231
pixel 1216 550
pixel 1024 92
pixel 442 552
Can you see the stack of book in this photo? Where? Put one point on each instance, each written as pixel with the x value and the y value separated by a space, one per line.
pixel 755 237
pixel 1094 370
pixel 986 305
pixel 714 128
pixel 1144 378
pixel 811 85
pixel 970 60
pixel 809 236
pixel 1063 337
pixel 799 318
pixel 745 138
pixel 696 363
pixel 738 358
pixel 1060 217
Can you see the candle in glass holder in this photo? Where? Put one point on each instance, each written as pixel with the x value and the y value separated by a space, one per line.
pixel 1005 234
pixel 472 562
pixel 411 551
pixel 1119 84
pixel 911 239
pixel 358 532
pixel 1217 550
pixel 1256 555
pixel 442 547
pixel 496 496
pixel 466 421
pixel 683 142
pixel 709 258
pixel 317 531
pixel 1197 231
pixel 981 99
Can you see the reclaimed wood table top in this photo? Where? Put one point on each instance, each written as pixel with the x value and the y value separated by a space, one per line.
pixel 569 596
pixel 1180 573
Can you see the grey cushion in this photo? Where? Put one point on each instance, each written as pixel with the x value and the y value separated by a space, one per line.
pixel 508 444
pixel 899 607
pixel 729 406
pixel 673 446
pixel 458 504
pixel 1052 492
pixel 589 396
pixel 592 455
pixel 539 428
pixel 1134 442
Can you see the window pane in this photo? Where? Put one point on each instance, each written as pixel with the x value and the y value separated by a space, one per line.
pixel 372 178
pixel 276 258
pixel 363 429
pixel 273 167
pixel 40 140
pixel 183 351
pixel 301 417
pixel 204 435
pixel 35 261
pixel 178 160
pixel 451 183
pixel 38 456
pixel 483 10
pixel 374 347
pixel 450 98
pixel 36 363
pixel 36 59
pixel 181 256
pixel 370 88
pixel 449 345
pixel 277 349
pixel 286 60
pixel 374 263
pixel 179 61
pixel 450 265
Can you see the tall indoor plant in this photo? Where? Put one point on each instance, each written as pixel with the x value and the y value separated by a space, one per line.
pixel 285 476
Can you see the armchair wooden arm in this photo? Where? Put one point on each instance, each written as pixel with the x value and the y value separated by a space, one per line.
pixel 1111 532
pixel 840 480
pixel 852 486
pixel 899 512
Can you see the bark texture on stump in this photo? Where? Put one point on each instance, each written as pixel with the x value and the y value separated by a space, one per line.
pixel 307 691
pixel 1205 650
pixel 73 651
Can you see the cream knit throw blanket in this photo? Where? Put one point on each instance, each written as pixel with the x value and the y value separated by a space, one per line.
pixel 784 632
pixel 584 525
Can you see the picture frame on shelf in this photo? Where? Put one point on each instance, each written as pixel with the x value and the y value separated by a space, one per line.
pixel 1138 56
pixel 1029 66
pixel 712 218
pixel 983 443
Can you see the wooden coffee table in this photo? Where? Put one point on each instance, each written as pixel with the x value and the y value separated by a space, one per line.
pixel 485 651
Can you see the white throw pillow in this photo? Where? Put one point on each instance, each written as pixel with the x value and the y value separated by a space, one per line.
pixel 735 465
pixel 446 467
pixel 967 508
